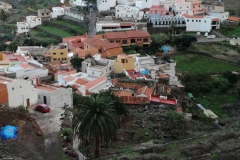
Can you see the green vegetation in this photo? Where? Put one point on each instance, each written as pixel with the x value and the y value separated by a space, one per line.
pixel 41 36
pixel 55 31
pixel 63 156
pixel 230 30
pixel 202 65
pixel 214 101
pixel 80 30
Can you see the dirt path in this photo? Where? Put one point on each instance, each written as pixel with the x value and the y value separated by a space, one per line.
pixel 53 147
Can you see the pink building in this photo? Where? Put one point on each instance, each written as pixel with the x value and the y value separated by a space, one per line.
pixel 75 42
pixel 195 6
pixel 155 9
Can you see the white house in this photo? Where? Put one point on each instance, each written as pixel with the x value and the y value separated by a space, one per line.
pixel 79 3
pixel 235 41
pixel 181 8
pixel 222 15
pixel 53 96
pixel 166 21
pixel 201 23
pixel 141 62
pixel 97 67
pixel 57 11
pixel 17 92
pixel 104 5
pixel 22 28
pixel 107 26
pixel 146 3
pixel 33 21
pixel 126 11
pixel 126 2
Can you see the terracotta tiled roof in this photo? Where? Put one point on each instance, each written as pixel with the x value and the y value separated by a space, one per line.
pixel 114 35
pixel 97 43
pixel 137 33
pixel 122 24
pixel 145 90
pixel 95 82
pixel 24 66
pixel 68 78
pixel 231 18
pixel 188 16
pixel 215 19
pixel 122 93
pixel 81 81
pixel 128 85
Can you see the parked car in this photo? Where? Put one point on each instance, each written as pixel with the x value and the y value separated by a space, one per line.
pixel 213 36
pixel 42 108
pixel 210 37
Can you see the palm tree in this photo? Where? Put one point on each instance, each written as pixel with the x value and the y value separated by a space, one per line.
pixel 97 120
pixel 3 15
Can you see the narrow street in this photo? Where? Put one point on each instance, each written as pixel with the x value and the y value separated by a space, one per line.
pixel 92 23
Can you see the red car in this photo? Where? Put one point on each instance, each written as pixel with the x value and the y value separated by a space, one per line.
pixel 43 108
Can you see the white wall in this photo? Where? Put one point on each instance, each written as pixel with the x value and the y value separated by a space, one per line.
pixel 22 27
pixel 103 5
pixel 79 3
pixel 182 8
pixel 126 11
pixel 57 98
pixel 57 11
pixel 99 87
pixel 126 2
pixel 93 72
pixel 40 72
pixel 18 93
pixel 33 21
pixel 222 16
pixel 198 24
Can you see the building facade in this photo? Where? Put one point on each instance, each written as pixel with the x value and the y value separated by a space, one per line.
pixel 126 11
pixel 57 11
pixel 59 53
pixel 111 27
pixel 123 62
pixel 22 28
pixel 44 14
pixel 129 38
pixel 33 21
pixel 17 92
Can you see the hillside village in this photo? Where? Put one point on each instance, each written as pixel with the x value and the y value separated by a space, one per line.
pixel 119 80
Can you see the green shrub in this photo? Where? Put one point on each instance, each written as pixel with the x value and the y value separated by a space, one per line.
pixel 23 109
pixel 69 133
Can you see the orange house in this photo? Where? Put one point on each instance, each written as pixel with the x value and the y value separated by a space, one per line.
pixel 128 38
pixel 3 93
pixel 74 42
pixel 94 46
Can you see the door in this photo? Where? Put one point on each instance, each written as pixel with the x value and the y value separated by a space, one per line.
pixel 28 102
pixel 44 99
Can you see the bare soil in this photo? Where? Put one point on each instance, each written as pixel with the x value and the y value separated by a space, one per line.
pixel 29 144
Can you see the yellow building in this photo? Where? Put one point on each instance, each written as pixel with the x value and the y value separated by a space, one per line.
pixel 123 62
pixel 59 53
pixel 2 56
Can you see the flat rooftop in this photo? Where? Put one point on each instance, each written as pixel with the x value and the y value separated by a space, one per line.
pixel 46 88
pixel 97 67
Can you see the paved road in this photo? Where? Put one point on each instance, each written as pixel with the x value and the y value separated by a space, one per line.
pixel 212 40
pixel 92 23
pixel 50 125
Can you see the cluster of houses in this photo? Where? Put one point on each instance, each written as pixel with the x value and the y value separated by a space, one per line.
pixel 33 21
pixel 192 14
pixel 23 73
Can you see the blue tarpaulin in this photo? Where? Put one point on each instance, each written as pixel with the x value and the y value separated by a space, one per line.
pixel 9 132
pixel 165 48
pixel 144 72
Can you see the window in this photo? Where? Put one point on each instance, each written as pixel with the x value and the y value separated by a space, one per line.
pixel 111 41
pixel 59 59
pixel 39 97
pixel 192 20
pixel 13 88
pixel 54 53
pixel 205 21
pixel 187 20
pixel 187 6
pixel 92 73
pixel 145 40
pixel 117 10
pixel 20 86
pixel 180 7
pixel 196 20
pixel 199 20
pixel 61 53
pixel 54 59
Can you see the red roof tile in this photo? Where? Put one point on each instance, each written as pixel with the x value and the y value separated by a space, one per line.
pixel 189 16
pixel 145 90
pixel 97 43
pixel 122 93
pixel 127 85
pixel 114 35
pixel 94 83
pixel 81 81
pixel 231 18
pixel 68 78
pixel 124 24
